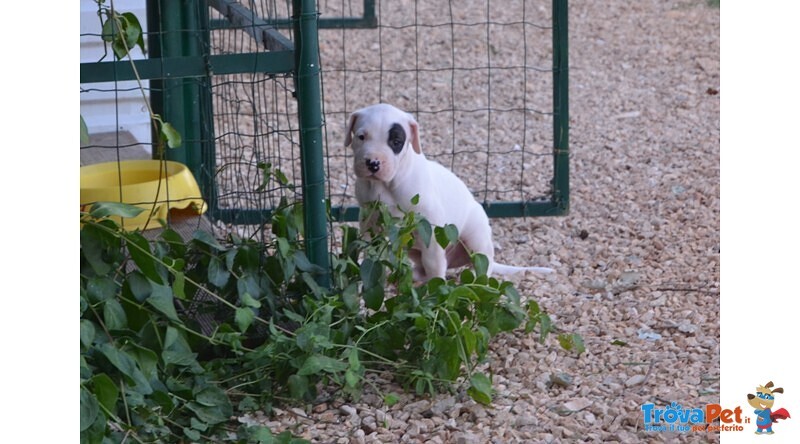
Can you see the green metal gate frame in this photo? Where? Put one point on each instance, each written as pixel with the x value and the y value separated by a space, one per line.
pixel 177 61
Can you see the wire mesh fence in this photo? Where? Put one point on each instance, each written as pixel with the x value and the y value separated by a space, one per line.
pixel 477 75
pixel 257 151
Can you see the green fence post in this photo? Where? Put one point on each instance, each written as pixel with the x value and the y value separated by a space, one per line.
pixel 560 107
pixel 175 31
pixel 309 103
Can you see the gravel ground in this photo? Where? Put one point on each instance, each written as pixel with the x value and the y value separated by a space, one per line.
pixel 637 258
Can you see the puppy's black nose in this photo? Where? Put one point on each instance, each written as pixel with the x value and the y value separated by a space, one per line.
pixel 373 165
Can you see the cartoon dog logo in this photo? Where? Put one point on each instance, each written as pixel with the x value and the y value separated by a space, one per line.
pixel 763 401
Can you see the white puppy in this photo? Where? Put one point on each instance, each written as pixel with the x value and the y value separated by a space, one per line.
pixel 390 167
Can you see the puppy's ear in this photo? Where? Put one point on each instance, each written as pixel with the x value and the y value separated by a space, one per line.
pixel 777 390
pixel 348 135
pixel 414 126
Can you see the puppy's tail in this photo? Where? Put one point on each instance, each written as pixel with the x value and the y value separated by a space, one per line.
pixel 507 270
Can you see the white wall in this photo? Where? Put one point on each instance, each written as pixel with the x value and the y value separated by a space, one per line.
pixel 108 110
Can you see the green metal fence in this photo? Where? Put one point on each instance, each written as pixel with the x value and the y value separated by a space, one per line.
pixel 261 106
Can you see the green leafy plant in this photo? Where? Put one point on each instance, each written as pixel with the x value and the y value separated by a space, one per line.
pixel 178 336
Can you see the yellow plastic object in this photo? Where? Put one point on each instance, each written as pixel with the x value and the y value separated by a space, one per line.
pixel 169 184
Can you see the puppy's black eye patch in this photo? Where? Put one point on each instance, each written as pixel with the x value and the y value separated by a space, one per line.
pixel 397 138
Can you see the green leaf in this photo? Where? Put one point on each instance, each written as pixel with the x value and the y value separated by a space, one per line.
pixel 210 415
pixel 217 274
pixel 177 351
pixel 84 133
pixel 320 363
pixel 212 396
pixel 96 432
pixel 480 388
pixel 109 30
pixel 572 342
pixel 161 299
pixel 425 231
pixel 171 135
pixel 390 399
pixel 298 386
pixel 372 277
pixel 244 318
pixel 138 285
pixel 415 199
pixel 134 31
pixel 302 262
pixel 125 364
pixel 106 391
pixel 87 332
pixel 352 359
pixel 293 316
pixel 90 408
pixel 178 285
pixel 447 235
pixel 469 340
pixel 124 32
pixel 481 263
pixel 104 209
pixel 249 301
pixel 211 405
pixel 114 315
pixel 93 250
pixel 146 360
pixel 248 283
pixel 537 316
pixel 101 288
pixel 174 240
pixel 283 247
pixel 282 179
pixel 86 372
pixel 373 297
pixel 619 343
pixel 507 288
pixel 350 297
pixel 545 327
pixel 205 237
pixel 351 378
pixel 502 320
pixel 265 175
pixel 192 434
pixel 247 404
pixel 467 276
pixel 313 286
pixel 372 273
pixel 260 434
pixel 139 249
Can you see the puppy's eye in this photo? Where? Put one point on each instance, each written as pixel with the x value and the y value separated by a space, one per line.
pixel 361 137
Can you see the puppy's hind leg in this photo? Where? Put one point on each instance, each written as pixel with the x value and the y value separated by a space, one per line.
pixel 434 261
pixel 416 262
